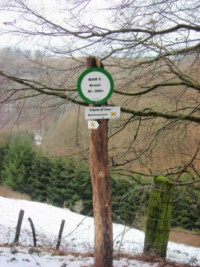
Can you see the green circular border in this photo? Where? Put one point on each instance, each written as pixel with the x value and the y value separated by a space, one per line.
pixel 87 100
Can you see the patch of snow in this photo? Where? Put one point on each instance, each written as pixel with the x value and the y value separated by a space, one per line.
pixel 38 139
pixel 78 236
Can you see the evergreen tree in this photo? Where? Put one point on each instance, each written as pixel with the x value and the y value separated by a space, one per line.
pixel 17 161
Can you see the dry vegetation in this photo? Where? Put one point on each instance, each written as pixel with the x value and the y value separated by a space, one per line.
pixel 147 145
pixel 8 193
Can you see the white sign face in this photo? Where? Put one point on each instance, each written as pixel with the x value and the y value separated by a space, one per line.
pixel 93 124
pixel 95 113
pixel 95 86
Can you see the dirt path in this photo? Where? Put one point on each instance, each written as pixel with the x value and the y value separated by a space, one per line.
pixel 6 192
pixel 187 238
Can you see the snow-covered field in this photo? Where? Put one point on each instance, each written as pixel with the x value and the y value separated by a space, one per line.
pixel 78 237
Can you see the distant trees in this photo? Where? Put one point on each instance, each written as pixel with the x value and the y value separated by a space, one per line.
pixel 66 183
pixel 152 51
pixel 56 181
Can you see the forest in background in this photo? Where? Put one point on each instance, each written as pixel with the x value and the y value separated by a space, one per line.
pixel 65 182
pixel 141 145
pixel 57 171
pixel 151 49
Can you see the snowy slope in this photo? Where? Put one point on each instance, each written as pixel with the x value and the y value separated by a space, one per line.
pixel 78 236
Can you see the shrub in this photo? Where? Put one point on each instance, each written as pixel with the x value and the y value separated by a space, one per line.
pixel 66 183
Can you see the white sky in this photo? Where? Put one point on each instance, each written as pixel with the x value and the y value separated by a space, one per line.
pixel 94 14
pixel 53 10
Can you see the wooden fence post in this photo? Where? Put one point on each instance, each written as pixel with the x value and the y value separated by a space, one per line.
pixel 99 169
pixel 33 232
pixel 159 216
pixel 60 234
pixel 18 228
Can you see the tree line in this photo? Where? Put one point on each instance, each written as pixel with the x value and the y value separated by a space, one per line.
pixel 66 183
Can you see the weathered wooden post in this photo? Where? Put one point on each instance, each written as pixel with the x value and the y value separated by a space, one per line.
pixel 159 216
pixel 101 196
pixel 60 234
pixel 18 227
pixel 33 232
pixel 93 84
pixel 99 169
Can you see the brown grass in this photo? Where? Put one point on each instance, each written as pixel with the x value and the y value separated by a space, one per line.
pixel 6 192
pixel 184 237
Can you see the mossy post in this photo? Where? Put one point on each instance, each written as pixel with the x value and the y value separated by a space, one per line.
pixel 159 216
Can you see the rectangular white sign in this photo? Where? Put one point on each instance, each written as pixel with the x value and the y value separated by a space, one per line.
pixel 95 113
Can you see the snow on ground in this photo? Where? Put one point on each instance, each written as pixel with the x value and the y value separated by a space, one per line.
pixel 24 259
pixel 78 236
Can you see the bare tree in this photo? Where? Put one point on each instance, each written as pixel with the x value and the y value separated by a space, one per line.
pixel 152 51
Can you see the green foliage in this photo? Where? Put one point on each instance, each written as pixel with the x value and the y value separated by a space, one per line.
pixel 186 209
pixel 56 181
pixel 18 156
pixel 66 183
pixel 129 201
pixel 69 183
pixel 3 151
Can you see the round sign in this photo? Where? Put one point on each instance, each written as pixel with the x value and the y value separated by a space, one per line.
pixel 95 86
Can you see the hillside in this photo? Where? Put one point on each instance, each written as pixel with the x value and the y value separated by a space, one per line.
pixel 77 240
pixel 144 145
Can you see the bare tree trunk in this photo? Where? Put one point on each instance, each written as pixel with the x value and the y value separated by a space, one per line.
pixel 102 210
pixel 159 216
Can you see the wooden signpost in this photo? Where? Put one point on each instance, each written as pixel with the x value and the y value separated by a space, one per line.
pixel 99 167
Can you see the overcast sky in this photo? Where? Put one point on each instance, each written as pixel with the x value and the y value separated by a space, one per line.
pixel 54 10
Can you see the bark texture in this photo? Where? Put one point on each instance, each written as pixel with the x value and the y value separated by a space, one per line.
pixel 159 216
pixel 102 209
